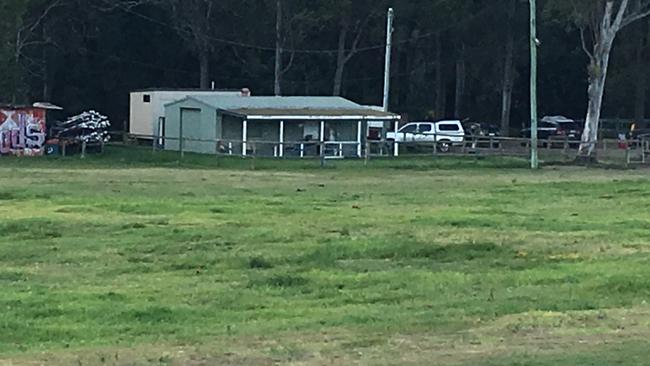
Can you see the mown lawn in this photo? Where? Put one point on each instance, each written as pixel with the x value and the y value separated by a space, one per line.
pixel 135 259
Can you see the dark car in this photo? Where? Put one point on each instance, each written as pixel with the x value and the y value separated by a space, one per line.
pixel 556 129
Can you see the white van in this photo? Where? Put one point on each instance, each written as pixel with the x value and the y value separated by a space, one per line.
pixel 444 133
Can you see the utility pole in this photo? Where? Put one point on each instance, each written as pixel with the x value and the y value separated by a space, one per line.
pixel 534 159
pixel 389 49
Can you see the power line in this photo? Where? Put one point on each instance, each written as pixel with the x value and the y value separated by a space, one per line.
pixel 155 66
pixel 307 51
pixel 140 63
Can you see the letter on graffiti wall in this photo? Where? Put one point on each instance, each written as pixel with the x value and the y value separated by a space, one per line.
pixel 22 132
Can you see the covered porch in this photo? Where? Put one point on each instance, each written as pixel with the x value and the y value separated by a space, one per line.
pixel 298 133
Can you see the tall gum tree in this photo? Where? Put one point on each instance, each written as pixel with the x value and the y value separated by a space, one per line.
pixel 599 22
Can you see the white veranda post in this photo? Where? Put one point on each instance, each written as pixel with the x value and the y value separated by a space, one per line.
pixel 244 138
pixel 322 137
pixel 281 139
pixel 359 138
pixel 396 152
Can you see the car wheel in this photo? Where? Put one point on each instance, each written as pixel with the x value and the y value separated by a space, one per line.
pixel 444 146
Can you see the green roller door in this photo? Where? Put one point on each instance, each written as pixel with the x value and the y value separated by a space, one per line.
pixel 193 129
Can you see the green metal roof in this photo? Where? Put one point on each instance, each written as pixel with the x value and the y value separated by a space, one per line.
pixel 238 102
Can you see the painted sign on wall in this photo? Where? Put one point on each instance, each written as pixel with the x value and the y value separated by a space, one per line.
pixel 22 131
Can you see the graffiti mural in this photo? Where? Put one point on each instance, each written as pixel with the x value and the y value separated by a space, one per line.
pixel 22 131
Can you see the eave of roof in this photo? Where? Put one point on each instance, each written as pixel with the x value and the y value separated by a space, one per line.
pixel 311 114
pixel 171 90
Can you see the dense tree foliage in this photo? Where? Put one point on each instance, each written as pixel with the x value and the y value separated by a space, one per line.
pixel 452 58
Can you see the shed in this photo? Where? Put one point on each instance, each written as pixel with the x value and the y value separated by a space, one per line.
pixel 23 128
pixel 269 126
pixel 147 107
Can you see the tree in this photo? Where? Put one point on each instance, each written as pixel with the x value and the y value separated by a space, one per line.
pixel 348 28
pixel 599 22
pixel 12 15
pixel 23 28
pixel 288 28
pixel 641 52
pixel 352 20
pixel 196 22
pixel 508 68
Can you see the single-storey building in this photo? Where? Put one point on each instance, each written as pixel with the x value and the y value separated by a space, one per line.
pixel 270 126
pixel 147 107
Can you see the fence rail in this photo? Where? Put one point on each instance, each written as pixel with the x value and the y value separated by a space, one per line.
pixel 554 149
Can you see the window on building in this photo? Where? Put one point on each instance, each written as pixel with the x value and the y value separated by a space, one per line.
pixel 146 98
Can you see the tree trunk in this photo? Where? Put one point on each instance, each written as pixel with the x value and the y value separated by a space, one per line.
pixel 340 61
pixel 595 92
pixel 441 95
pixel 603 39
pixel 460 82
pixel 204 65
pixel 641 77
pixel 508 84
pixel 278 49
pixel 508 73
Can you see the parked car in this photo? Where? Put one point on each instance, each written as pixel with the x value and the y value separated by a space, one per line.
pixel 444 133
pixel 557 128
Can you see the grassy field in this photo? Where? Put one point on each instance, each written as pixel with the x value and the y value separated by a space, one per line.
pixel 136 259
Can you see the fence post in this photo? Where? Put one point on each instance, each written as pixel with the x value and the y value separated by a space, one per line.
pixel 435 143
pixel 322 154
pixel 83 149
pixel 216 152
pixel 367 154
pixel 254 148
pixel 180 138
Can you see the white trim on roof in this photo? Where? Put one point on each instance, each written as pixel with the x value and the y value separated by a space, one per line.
pixel 186 99
pixel 308 117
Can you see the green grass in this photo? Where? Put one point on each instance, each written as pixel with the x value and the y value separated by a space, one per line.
pixel 137 258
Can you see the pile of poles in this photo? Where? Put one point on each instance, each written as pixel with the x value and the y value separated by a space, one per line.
pixel 90 127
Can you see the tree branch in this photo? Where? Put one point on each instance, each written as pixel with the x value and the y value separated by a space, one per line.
pixel 638 15
pixel 20 40
pixel 357 38
pixel 290 64
pixel 584 43
pixel 620 16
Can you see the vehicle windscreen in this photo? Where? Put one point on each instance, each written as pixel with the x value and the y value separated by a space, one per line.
pixel 408 129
